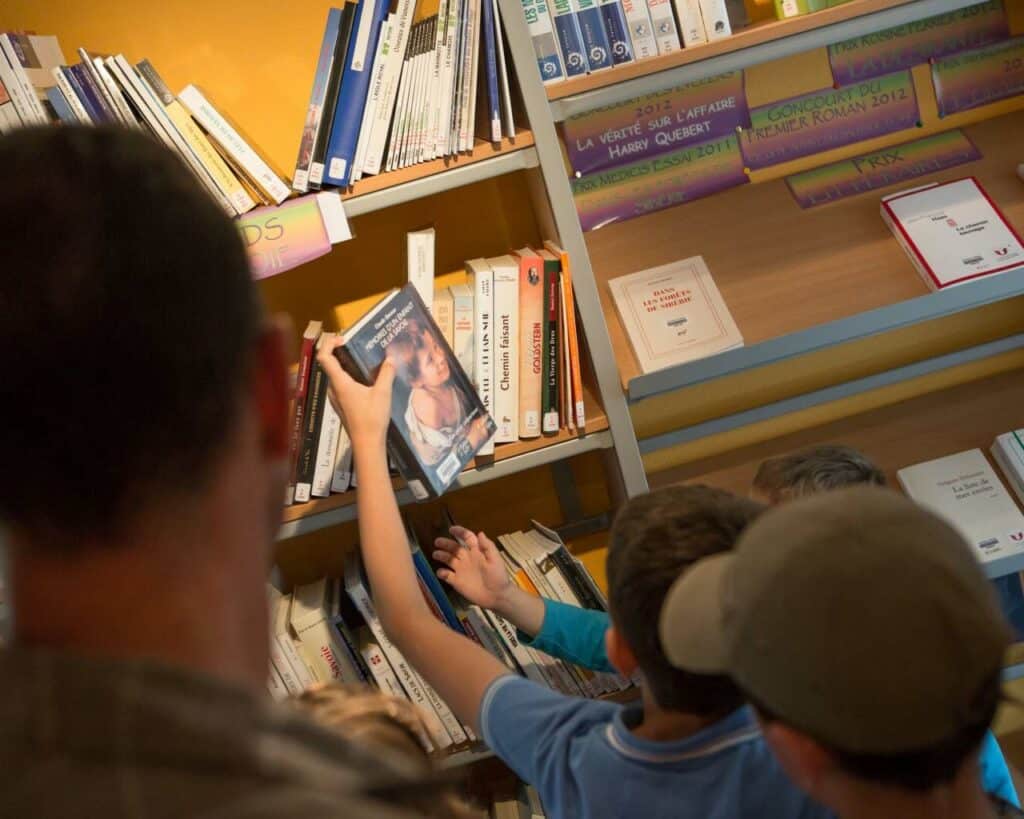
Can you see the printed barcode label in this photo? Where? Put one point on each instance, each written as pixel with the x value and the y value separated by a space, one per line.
pixel 417 489
pixel 337 167
pixel 448 468
pixel 973 260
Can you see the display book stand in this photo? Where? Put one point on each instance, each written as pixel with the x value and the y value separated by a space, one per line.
pixel 844 343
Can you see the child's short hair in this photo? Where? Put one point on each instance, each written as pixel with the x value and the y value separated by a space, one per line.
pixel 815 469
pixel 654 539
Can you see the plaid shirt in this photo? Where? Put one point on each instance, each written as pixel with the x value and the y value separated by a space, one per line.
pixel 88 738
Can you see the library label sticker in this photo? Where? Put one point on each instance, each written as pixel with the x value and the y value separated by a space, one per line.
pixel 889 166
pixel 978 77
pixel 830 118
pixel 900 47
pixel 660 182
pixel 280 238
pixel 656 123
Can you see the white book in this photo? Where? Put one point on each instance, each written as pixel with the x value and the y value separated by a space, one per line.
pixel 691 24
pixel 482 278
pixel 1008 451
pixel 952 232
pixel 443 311
pixel 506 93
pixel 419 247
pixel 19 89
pixel 641 32
pixel 326 451
pixel 462 326
pixel 232 143
pixel 115 94
pixel 424 74
pixel 69 94
pixel 488 636
pixel 401 117
pixel 412 100
pixel 716 19
pixel 431 147
pixel 965 490
pixel 310 618
pixel 663 23
pixel 674 314
pixel 282 633
pixel 342 478
pixel 385 42
pixel 506 357
pixel 525 657
pixel 281 663
pixel 274 685
pixel 472 65
pixel 447 79
pixel 90 68
pixel 458 76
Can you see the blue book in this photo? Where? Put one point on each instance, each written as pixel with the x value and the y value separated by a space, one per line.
pixel 315 110
pixel 595 38
pixel 570 40
pixel 617 28
pixel 80 81
pixel 355 83
pixel 491 62
pixel 545 47
pixel 60 105
pixel 426 573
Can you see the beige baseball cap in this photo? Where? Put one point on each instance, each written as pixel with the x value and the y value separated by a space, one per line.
pixel 855 616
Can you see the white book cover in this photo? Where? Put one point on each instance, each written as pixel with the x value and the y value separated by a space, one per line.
pixel 326 451
pixel 280 661
pixel 311 619
pixel 641 32
pixel 385 43
pixel 428 148
pixel 716 19
pixel 952 232
pixel 449 25
pixel 690 23
pixel 401 118
pixel 965 490
pixel 663 23
pixel 275 686
pixel 506 345
pixel 462 326
pixel 111 93
pixel 342 478
pixel 458 77
pixel 482 278
pixel 19 87
pixel 237 148
pixel 419 246
pixel 673 314
pixel 286 643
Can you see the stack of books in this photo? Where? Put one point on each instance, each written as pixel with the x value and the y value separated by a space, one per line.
pixel 329 630
pixel 1008 451
pixel 37 87
pixel 395 88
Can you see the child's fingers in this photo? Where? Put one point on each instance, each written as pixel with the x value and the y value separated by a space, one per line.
pixel 447 544
pixel 385 378
pixel 445 575
pixel 487 546
pixel 464 536
pixel 442 556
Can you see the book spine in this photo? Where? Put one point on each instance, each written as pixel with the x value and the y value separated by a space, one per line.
pixel 489 638
pixel 419 255
pixel 284 669
pixel 311 424
pixel 462 327
pixel 716 19
pixel 91 80
pixel 538 22
pixel 436 591
pixel 525 659
pixel 352 650
pixel 664 26
pixel 641 32
pixel 314 111
pixel 429 147
pixel 615 25
pixel 691 24
pixel 64 83
pixel 323 651
pixel 443 312
pixel 1005 461
pixel 232 143
pixel 291 653
pixel 575 364
pixel 449 74
pixel 550 374
pixel 569 37
pixel 278 692
pixel 491 68
pixel 483 330
pixel 60 106
pixel 506 366
pixel 301 393
pixel 380 669
pixel 471 67
pixel 342 478
pixel 506 93
pixel 531 345
pixel 323 132
pixel 326 450
pixel 572 572
pixel 79 79
pixel 15 80
pixel 385 42
pixel 595 38
pixel 114 95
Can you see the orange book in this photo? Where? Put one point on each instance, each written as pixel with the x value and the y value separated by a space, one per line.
pixel 574 374
pixel 531 341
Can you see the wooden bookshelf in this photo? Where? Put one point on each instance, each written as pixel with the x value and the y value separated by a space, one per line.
pixel 794 269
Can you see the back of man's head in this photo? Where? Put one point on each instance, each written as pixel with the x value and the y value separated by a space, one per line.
pixel 656 537
pixel 812 470
pixel 128 318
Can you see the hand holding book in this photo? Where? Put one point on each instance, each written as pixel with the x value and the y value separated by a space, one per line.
pixel 366 410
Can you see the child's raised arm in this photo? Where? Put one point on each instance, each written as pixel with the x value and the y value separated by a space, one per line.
pixel 456 667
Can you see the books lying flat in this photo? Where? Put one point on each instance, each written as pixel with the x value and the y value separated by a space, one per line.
pixel 965 490
pixel 674 314
pixel 952 232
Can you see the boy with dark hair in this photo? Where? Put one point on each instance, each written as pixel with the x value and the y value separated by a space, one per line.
pixel 145 444
pixel 867 634
pixel 690 750
pixel 812 470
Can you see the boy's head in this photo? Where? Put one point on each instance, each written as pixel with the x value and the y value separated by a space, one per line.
pixel 417 354
pixel 655 538
pixel 812 470
pixel 862 627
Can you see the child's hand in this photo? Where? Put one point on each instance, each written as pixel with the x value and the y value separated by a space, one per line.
pixel 366 410
pixel 475 569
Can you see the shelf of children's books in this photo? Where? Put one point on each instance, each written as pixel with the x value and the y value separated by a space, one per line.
pixel 508 459
pixel 485 161
pixel 750 46
pixel 800 280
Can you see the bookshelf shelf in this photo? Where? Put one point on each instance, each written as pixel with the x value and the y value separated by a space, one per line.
pixel 800 281
pixel 485 161
pixel 751 46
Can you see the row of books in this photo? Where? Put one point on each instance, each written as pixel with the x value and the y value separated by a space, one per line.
pixel 329 630
pixel 397 87
pixel 38 87
pixel 499 338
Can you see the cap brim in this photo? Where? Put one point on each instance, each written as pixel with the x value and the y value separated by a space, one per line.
pixel 691 624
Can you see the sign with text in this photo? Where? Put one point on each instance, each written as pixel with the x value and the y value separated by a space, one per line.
pixel 280 238
pixel 830 118
pixel 660 182
pixel 889 166
pixel 656 123
pixel 900 47
pixel 978 77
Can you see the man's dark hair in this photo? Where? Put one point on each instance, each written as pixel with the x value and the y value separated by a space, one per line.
pixel 654 539
pixel 128 317
pixel 813 470
pixel 923 769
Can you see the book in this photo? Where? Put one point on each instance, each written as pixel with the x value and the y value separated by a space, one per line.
pixel 443 311
pixel 641 33
pixel 62 77
pixel 57 101
pixel 278 692
pixel 666 35
pixel 574 371
pixel 506 347
pixel 310 618
pixel 504 88
pixel 550 372
pixel 323 131
pixel 691 24
pixel 88 94
pixel 716 19
pixel 325 459
pixel 482 278
pixel 435 590
pixel 38 55
pixel 673 314
pixel 17 83
pixel 380 58
pixel 234 146
pixel 617 28
pixel 116 95
pixel 569 38
pixel 596 47
pixel 342 479
pixel 491 38
pixel 531 341
pixel 1008 451
pixel 965 490
pixel 281 633
pixel 312 420
pixel 113 112
pixel 309 337
pixel 437 420
pixel 952 232
pixel 419 246
pixel 317 97
pixel 280 663
pixel 462 326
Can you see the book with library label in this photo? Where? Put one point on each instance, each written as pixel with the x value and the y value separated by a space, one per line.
pixel 953 232
pixel 965 490
pixel 438 422
pixel 674 314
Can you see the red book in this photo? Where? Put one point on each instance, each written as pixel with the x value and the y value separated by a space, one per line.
pixel 301 390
